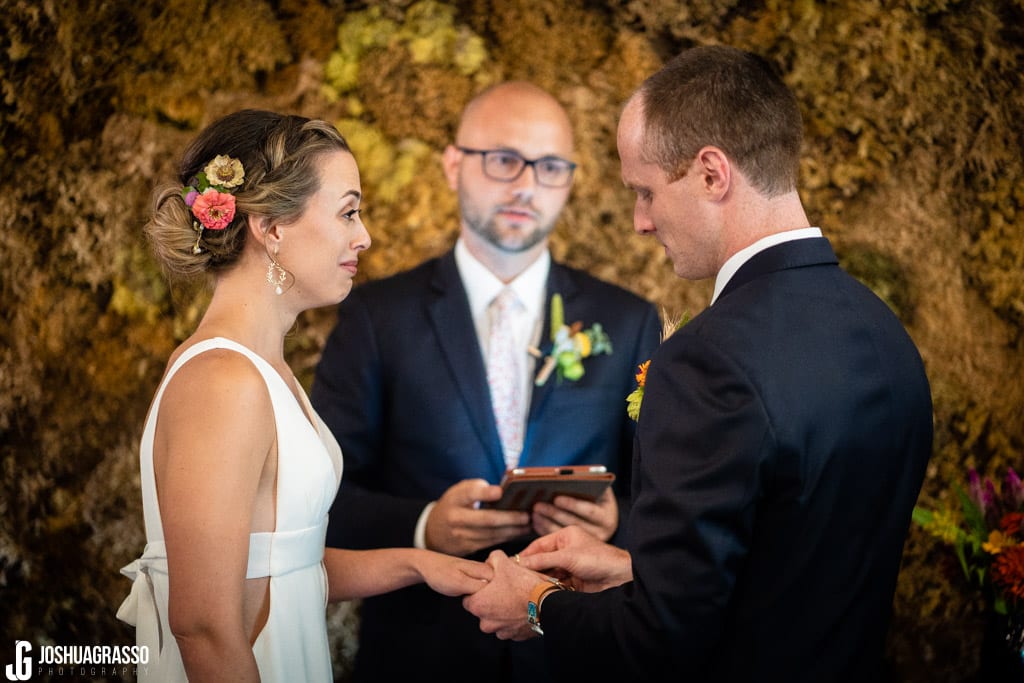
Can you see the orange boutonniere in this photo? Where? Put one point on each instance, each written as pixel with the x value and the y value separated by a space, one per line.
pixel 636 396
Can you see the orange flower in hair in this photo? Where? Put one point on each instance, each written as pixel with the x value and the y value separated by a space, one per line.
pixel 215 210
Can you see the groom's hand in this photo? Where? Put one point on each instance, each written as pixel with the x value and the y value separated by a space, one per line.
pixel 457 524
pixel 501 604
pixel 579 559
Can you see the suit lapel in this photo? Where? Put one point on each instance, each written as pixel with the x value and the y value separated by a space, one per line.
pixel 794 254
pixel 456 334
pixel 560 281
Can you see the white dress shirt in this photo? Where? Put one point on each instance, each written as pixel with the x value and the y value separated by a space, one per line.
pixel 481 287
pixel 734 262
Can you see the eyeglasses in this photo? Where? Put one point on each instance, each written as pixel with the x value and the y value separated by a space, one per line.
pixel 505 166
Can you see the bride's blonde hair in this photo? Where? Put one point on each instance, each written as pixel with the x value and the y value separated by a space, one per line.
pixel 279 153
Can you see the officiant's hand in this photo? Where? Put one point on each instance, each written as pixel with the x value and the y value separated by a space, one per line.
pixel 599 519
pixel 578 558
pixel 457 524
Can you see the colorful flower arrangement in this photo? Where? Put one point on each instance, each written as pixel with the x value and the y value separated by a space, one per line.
pixel 210 195
pixel 570 344
pixel 987 535
pixel 636 396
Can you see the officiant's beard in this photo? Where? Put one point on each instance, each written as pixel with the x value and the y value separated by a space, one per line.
pixel 504 238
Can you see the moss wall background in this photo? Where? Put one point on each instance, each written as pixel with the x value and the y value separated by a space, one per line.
pixel 913 168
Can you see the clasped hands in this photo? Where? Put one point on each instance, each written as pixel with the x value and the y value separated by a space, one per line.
pixel 570 554
pixel 571 548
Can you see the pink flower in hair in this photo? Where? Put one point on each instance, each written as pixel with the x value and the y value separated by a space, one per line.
pixel 214 209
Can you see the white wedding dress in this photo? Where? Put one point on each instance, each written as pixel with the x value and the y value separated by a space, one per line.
pixel 293 645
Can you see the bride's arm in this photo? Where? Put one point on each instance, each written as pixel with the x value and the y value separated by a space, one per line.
pixel 214 431
pixel 361 573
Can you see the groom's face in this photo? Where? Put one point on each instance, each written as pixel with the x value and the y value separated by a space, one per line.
pixel 675 211
pixel 510 215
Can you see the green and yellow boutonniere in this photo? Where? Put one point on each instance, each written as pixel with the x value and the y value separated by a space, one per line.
pixel 570 344
pixel 636 396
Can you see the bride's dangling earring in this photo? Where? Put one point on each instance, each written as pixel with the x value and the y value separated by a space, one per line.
pixel 276 275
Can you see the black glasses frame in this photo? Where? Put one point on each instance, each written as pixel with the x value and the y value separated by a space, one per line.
pixel 526 162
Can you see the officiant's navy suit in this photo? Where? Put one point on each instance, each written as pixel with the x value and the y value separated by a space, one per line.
pixel 781 446
pixel 402 385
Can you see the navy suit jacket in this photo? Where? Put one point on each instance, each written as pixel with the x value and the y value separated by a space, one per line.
pixel 402 385
pixel 781 446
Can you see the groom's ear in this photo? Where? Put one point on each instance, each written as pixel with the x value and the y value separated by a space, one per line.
pixel 716 171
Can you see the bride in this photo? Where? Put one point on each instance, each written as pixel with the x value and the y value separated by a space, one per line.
pixel 238 471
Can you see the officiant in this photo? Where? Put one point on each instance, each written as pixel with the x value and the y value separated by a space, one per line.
pixel 429 385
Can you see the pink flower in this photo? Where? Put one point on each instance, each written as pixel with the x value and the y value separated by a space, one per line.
pixel 215 210
pixel 1014 488
pixel 989 494
pixel 974 488
pixel 190 196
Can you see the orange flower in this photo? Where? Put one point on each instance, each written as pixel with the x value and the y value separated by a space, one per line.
pixel 1011 523
pixel 996 543
pixel 1008 571
pixel 215 210
pixel 641 375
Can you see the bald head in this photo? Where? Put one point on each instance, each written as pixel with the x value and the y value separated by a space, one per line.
pixel 512 166
pixel 519 111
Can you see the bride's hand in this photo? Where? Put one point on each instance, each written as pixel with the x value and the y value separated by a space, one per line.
pixel 451 575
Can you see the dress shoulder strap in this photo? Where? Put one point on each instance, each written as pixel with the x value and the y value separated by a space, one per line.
pixel 150 504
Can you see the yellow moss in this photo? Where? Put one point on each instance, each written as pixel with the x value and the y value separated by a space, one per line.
pixel 373 151
pixel 423 65
pixel 342 75
pixel 358 34
pixel 428 33
pixel 412 154
pixel 470 52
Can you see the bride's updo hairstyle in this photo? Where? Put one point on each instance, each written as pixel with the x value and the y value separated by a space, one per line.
pixel 278 155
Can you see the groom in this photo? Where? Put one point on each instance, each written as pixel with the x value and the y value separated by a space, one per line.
pixel 783 436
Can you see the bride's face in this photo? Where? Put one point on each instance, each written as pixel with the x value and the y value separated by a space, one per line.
pixel 321 248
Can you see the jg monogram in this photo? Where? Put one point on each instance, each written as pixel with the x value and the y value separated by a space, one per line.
pixel 21 669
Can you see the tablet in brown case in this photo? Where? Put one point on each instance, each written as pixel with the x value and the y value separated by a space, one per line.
pixel 524 486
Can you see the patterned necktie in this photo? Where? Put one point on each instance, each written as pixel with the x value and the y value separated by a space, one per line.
pixel 504 375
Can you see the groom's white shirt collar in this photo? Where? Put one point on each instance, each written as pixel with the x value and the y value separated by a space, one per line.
pixel 734 262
